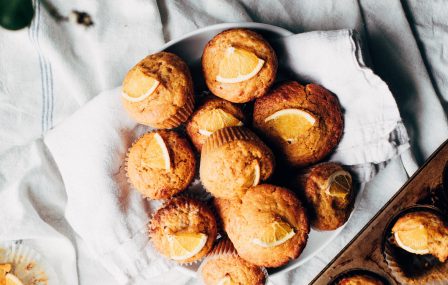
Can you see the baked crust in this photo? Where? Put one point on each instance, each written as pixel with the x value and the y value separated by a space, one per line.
pixel 359 280
pixel 227 160
pixel 157 183
pixel 319 140
pixel 173 100
pixel 179 215
pixel 326 212
pixel 436 229
pixel 243 219
pixel 210 104
pixel 247 90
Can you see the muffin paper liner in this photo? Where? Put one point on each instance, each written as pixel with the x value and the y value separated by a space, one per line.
pixel 358 271
pixel 437 274
pixel 181 115
pixel 226 135
pixel 27 264
pixel 223 248
pixel 184 200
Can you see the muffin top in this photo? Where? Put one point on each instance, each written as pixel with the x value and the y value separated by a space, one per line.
pixel 184 230
pixel 227 266
pixel 239 65
pixel 328 191
pixel 422 232
pixel 171 102
pixel 305 123
pixel 213 115
pixel 234 159
pixel 360 280
pixel 268 226
pixel 160 164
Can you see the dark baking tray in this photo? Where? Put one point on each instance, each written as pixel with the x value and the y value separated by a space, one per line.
pixel 364 251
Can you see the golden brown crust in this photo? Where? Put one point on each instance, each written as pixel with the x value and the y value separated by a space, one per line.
pixel 360 280
pixel 222 263
pixel 327 212
pixel 250 89
pixel 436 229
pixel 320 139
pixel 228 159
pixel 182 215
pixel 243 219
pixel 173 100
pixel 210 104
pixel 158 183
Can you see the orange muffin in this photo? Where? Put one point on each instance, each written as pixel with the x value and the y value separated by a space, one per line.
pixel 304 123
pixel 328 191
pixel 213 115
pixel 422 232
pixel 160 164
pixel 224 266
pixel 239 65
pixel 158 91
pixel 360 280
pixel 233 160
pixel 268 226
pixel 183 230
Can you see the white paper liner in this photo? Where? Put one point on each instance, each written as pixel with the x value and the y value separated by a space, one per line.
pixel 27 264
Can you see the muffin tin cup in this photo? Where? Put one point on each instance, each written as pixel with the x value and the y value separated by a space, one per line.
pixel 358 271
pixel 27 264
pixel 396 257
pixel 159 254
pixel 224 248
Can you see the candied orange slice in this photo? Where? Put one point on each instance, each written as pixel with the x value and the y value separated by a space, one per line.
pixel 11 279
pixel 289 124
pixel 238 65
pixel 186 245
pixel 413 240
pixel 216 119
pixel 226 281
pixel 137 86
pixel 275 234
pixel 339 184
pixel 156 155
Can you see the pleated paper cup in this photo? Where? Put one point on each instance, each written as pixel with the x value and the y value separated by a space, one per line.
pixel 27 264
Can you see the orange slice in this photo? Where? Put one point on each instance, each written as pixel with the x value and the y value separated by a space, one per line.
pixel 186 245
pixel 254 178
pixel 339 184
pixel 413 240
pixel 11 279
pixel 238 65
pixel 289 124
pixel 275 234
pixel 216 119
pixel 226 281
pixel 137 86
pixel 156 155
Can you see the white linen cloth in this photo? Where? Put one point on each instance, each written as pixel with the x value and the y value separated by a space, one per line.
pixel 50 70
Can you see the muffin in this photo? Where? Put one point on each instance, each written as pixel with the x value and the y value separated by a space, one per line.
pixel 304 123
pixel 160 164
pixel 239 65
pixel 158 91
pixel 184 230
pixel 421 233
pixel 213 115
pixel 359 280
pixel 224 266
pixel 328 191
pixel 233 160
pixel 268 226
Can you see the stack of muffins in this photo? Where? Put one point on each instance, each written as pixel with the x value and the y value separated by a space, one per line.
pixel 248 159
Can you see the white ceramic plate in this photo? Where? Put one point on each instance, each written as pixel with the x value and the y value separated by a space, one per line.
pixel 189 48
